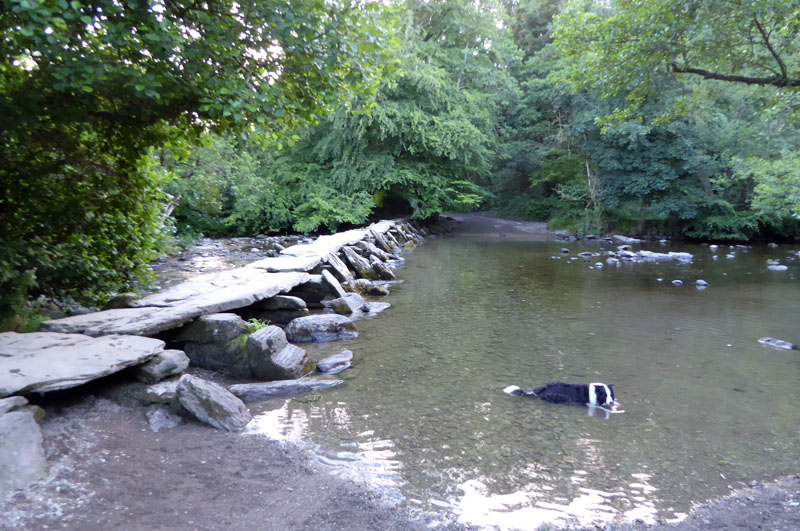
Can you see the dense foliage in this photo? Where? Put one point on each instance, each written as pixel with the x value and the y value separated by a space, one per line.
pixel 121 123
pixel 87 89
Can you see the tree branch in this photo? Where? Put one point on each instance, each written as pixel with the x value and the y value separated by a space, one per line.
pixel 777 81
pixel 771 49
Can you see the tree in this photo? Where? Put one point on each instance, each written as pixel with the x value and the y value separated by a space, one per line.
pixel 631 48
pixel 88 88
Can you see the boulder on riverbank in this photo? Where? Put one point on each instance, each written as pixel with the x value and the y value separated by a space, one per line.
pixel 265 354
pixel 321 328
pixel 213 404
pixel 162 365
pixel 22 456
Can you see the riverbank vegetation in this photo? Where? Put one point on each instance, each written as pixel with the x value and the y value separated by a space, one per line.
pixel 124 126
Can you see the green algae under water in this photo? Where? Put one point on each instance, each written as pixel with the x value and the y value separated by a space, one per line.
pixel 423 419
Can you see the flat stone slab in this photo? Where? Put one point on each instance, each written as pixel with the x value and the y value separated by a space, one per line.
pixel 287 263
pixel 126 321
pixel 182 303
pixel 226 290
pixel 331 243
pixel 43 361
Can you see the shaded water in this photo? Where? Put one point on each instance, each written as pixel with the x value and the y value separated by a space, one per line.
pixel 422 416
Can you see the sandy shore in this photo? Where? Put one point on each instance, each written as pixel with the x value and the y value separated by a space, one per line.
pixel 108 470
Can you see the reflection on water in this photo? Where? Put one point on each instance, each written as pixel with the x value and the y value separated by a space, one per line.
pixel 422 416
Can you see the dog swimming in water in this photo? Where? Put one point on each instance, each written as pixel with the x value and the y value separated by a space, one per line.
pixel 593 394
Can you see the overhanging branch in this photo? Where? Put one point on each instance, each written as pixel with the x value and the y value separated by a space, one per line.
pixel 775 81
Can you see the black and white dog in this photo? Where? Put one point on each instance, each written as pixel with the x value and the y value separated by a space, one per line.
pixel 593 394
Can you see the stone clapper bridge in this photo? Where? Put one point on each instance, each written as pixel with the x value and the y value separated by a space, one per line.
pixel 75 350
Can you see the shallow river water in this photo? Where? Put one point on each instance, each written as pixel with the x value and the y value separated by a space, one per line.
pixel 702 407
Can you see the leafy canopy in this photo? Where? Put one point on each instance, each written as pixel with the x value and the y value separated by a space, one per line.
pixel 87 89
pixel 631 48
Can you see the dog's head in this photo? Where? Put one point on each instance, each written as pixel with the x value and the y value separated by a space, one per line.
pixel 601 394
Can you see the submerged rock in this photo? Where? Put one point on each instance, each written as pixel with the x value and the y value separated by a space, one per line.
pixel 348 304
pixel 213 404
pixel 777 343
pixel 263 390
pixel 777 267
pixel 366 287
pixel 700 283
pixel 336 363
pixel 321 328
pixel 678 282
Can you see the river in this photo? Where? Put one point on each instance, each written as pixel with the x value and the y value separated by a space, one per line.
pixel 702 409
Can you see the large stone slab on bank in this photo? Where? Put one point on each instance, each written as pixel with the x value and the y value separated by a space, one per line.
pixel 43 361
pixel 226 290
pixel 182 303
pixel 125 321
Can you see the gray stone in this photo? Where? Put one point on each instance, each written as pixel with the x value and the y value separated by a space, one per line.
pixel 226 290
pixel 359 264
pixel 160 417
pixel 348 304
pixel 321 328
pixel 282 316
pixel 167 363
pixel 213 328
pixel 265 354
pixel 261 391
pixel 282 302
pixel 336 363
pixel 777 267
pixel 381 242
pixel 381 269
pixel 43 361
pixel 127 321
pixel 213 404
pixel 339 268
pixel 701 283
pixel 363 286
pixel 312 291
pixel 370 249
pixel 333 284
pixel 22 457
pixel 271 357
pixel 12 403
pixel 135 394
pixel 286 263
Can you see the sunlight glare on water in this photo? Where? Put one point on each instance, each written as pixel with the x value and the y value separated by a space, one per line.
pixel 422 416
